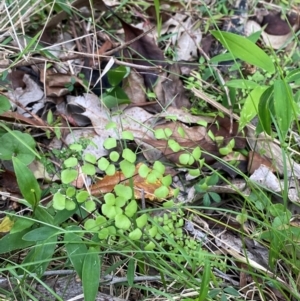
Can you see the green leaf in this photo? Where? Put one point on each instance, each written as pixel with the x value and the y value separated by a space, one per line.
pixel 123 191
pixel 122 222
pixel 283 105
pixel 245 50
pixel 131 208
pixel 127 135
pixel 90 158
pixel 116 75
pixel 4 104
pixel 161 192
pixel 59 201
pixel 41 254
pixel 141 221
pixel 103 163
pixel 158 166
pixel 250 107
pixel 110 143
pixel 88 169
pixel 76 249
pixel 110 170
pixel 19 145
pixel 91 274
pixel 14 241
pixel 82 196
pixel 174 145
pixel 90 205
pixel 242 84
pixel 264 114
pixel 21 224
pixel 41 233
pixel 114 156
pixel 167 180
pixel 109 211
pixel 68 175
pixel 110 199
pixel 70 162
pixel 206 274
pixel 127 168
pixel 131 263
pixel 28 184
pixel 136 234
pixel 143 170
pixel 129 155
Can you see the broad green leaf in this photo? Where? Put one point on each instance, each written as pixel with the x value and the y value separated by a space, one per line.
pixel 250 107
pixel 17 144
pixel 245 50
pixel 39 234
pixel 116 75
pixel 283 105
pixel 4 104
pixel 14 241
pixel 242 84
pixel 43 251
pixel 91 274
pixel 21 224
pixel 42 214
pixel 28 184
pixel 264 114
pixel 76 250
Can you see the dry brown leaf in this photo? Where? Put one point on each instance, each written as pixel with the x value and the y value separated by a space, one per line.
pixel 255 160
pixel 144 52
pixel 134 87
pixel 142 188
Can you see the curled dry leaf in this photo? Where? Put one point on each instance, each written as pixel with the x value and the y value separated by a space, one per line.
pixel 142 188
pixel 31 94
pixel 144 52
pixel 273 41
pixel 188 42
pixel 134 87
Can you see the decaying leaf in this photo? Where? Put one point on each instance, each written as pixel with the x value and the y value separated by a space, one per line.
pixel 6 224
pixel 144 52
pixel 142 188
pixel 255 160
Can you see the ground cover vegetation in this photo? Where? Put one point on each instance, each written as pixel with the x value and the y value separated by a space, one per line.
pixel 149 150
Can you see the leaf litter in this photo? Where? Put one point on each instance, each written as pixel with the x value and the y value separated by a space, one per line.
pixel 154 76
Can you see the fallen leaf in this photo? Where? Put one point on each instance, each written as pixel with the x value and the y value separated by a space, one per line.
pixel 6 224
pixel 142 188
pixel 144 52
